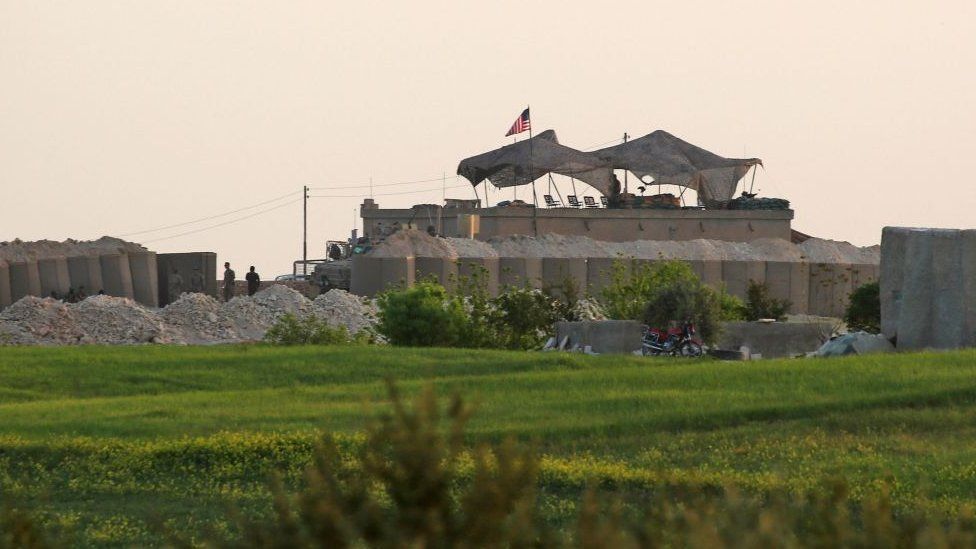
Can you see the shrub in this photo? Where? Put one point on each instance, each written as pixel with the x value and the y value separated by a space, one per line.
pixel 629 290
pixel 524 317
pixel 732 308
pixel 291 330
pixel 864 310
pixel 761 305
pixel 422 316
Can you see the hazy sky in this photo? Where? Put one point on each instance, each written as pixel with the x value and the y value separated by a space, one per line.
pixel 117 117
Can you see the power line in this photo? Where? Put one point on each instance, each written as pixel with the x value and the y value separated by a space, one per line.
pixel 366 183
pixel 208 218
pixel 387 194
pixel 255 214
pixel 602 144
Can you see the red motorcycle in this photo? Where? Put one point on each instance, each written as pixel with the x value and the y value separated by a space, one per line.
pixel 679 341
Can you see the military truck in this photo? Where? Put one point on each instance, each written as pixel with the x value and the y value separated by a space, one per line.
pixel 336 270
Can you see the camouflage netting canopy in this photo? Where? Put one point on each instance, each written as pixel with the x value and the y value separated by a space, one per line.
pixel 673 161
pixel 523 162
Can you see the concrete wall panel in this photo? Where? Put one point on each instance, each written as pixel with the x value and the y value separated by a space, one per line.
pixel 735 275
pixel 779 278
pixel 800 288
pixel 821 293
pixel 893 244
pixel 372 275
pixel 116 275
pixel 197 272
pixel 145 279
pixel 517 272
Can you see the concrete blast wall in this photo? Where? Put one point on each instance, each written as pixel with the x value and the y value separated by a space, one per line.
pixel 145 281
pixel 25 279
pixel 928 287
pixel 116 275
pixel 372 275
pixel 442 269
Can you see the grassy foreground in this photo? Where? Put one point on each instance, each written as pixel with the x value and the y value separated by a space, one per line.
pixel 114 444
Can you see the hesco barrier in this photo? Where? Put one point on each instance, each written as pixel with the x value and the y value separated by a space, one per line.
pixel 471 269
pixel 145 281
pixel 442 269
pixel 818 289
pixel 53 273
pixel 519 272
pixel 24 279
pixel 85 273
pixel 116 275
pixel 5 296
pixel 928 287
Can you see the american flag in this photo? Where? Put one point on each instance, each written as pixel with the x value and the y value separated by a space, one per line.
pixel 521 124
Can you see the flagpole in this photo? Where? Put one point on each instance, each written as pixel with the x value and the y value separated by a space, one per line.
pixel 535 197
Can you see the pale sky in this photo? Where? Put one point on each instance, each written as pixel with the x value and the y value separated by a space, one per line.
pixel 117 117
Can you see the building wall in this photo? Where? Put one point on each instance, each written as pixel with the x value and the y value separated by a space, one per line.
pixel 610 225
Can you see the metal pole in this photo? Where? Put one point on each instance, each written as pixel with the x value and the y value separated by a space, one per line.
pixel 625 171
pixel 305 230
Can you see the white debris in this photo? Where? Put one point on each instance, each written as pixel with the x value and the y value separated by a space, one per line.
pixel 118 321
pixel 340 308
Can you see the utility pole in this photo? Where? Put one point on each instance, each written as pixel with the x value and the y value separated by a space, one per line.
pixel 305 230
pixel 625 171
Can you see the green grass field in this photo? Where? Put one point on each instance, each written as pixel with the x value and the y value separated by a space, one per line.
pixel 112 444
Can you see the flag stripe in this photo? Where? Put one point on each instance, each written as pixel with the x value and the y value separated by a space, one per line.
pixel 522 123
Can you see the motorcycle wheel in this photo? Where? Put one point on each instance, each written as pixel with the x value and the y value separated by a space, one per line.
pixel 691 350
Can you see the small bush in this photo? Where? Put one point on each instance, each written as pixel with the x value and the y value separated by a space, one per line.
pixel 732 308
pixel 761 305
pixel 291 330
pixel 864 310
pixel 524 317
pixel 422 316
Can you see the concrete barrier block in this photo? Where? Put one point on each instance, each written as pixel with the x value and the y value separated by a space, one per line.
pixel 372 275
pixel 53 272
pixel 442 269
pixel 5 296
pixel 24 279
pixel 85 273
pixel 145 279
pixel 821 293
pixel 948 305
pixel 116 275
pixel 478 270
pixel 893 246
pixel 604 336
pixel 519 272
pixel 915 316
pixel 711 270
pixel 559 271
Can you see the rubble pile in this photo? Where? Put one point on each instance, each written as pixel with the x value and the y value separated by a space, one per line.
pixel 19 250
pixel 118 321
pixel 340 308
pixel 191 319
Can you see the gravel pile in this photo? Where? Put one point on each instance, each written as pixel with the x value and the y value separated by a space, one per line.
pixel 196 318
pixel 340 308
pixel 119 321
pixel 411 242
pixel 191 319
pixel 39 321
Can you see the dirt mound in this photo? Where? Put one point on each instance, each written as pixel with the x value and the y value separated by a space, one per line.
pixel 19 250
pixel 411 242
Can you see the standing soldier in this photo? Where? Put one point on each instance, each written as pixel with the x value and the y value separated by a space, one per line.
pixel 229 277
pixel 253 281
